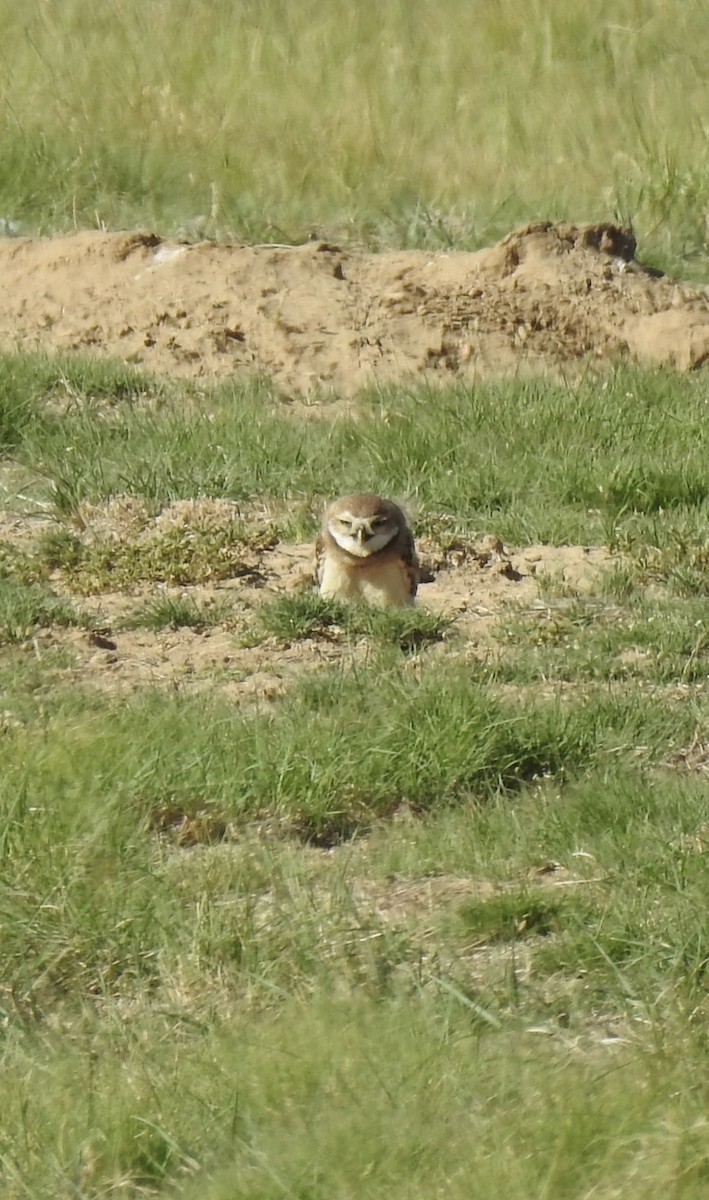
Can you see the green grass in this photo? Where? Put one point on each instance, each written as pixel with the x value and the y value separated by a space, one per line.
pixel 512 916
pixel 655 641
pixel 291 618
pixel 282 1014
pixel 344 751
pixel 25 607
pixel 97 905
pixel 682 566
pixel 21 567
pixel 179 612
pixel 408 124
pixel 239 1019
pixel 632 473
pixel 30 384
pixel 451 921
pixel 321 1102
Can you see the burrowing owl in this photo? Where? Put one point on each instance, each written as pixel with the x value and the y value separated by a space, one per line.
pixel 366 551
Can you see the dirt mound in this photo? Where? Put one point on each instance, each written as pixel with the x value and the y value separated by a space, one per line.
pixel 318 315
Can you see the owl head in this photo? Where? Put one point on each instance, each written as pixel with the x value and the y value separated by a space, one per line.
pixel 362 523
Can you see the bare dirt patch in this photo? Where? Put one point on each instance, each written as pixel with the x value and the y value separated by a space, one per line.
pixel 317 315
pixel 477 585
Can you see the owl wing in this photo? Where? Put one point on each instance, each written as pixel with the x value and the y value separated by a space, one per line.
pixel 410 562
pixel 319 559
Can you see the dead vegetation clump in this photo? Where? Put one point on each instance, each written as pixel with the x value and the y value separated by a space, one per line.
pixel 122 544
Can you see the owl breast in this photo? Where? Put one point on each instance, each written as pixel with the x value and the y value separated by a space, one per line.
pixel 379 582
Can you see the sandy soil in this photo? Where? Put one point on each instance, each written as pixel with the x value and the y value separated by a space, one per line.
pixel 318 316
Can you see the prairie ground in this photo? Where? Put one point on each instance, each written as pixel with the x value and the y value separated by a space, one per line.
pixel 306 900
pixel 301 899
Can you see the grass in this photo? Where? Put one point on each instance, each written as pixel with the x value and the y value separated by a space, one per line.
pixel 455 926
pixel 113 118
pixel 179 612
pixel 98 907
pixel 291 618
pixel 344 752
pixel 296 1124
pixel 632 474
pixel 233 1018
pixel 129 966
pixel 682 566
pixel 512 916
pixel 31 385
pixel 451 923
pixel 26 607
pixel 660 641
pixel 203 551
